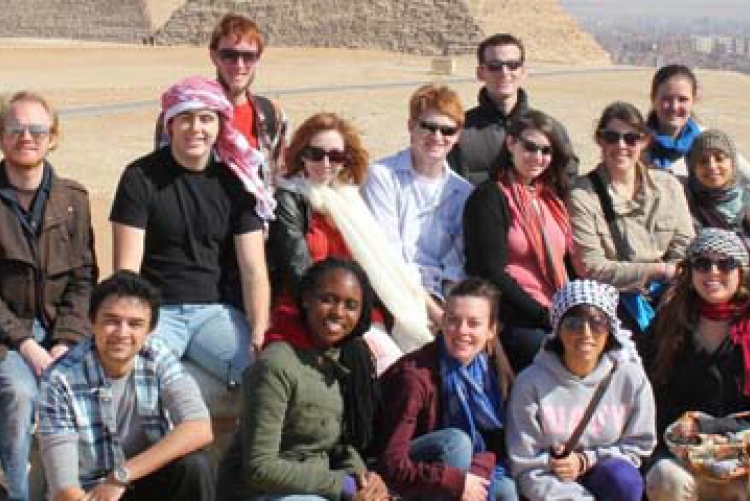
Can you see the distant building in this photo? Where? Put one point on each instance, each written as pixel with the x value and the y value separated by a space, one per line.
pixel 703 44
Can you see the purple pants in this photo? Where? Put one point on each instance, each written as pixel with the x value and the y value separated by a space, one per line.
pixel 614 480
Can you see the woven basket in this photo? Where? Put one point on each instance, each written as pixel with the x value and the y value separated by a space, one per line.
pixel 713 457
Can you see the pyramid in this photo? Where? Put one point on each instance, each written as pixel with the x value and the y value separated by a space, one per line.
pixel 434 27
pixel 103 20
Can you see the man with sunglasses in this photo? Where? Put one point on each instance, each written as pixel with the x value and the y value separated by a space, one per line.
pixel 235 47
pixel 47 271
pixel 501 67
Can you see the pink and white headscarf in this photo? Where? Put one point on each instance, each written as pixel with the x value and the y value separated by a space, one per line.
pixel 232 148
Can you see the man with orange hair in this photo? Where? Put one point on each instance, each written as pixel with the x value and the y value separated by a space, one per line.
pixel 236 46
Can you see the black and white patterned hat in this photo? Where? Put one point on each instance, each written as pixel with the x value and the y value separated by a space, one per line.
pixel 719 241
pixel 590 292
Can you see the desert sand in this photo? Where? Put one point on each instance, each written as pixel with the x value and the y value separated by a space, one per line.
pixel 108 95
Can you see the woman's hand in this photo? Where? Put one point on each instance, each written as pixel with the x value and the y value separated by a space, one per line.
pixel 475 488
pixel 371 488
pixel 568 468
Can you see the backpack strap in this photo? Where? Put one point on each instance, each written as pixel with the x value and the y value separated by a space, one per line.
pixel 609 214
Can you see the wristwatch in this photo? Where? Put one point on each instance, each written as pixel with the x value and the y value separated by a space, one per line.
pixel 121 475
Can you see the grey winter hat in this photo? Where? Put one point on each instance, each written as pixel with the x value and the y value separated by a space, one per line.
pixel 724 242
pixel 711 139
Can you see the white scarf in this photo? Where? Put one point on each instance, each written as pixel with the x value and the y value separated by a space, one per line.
pixel 397 285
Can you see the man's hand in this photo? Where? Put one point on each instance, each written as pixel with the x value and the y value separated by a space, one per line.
pixel 475 488
pixel 58 350
pixel 371 488
pixel 36 356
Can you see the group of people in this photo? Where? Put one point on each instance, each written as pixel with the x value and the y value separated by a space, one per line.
pixel 468 318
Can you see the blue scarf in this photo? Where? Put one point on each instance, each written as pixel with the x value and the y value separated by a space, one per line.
pixel 667 149
pixel 471 396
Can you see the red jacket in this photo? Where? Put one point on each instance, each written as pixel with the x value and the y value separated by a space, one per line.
pixel 412 407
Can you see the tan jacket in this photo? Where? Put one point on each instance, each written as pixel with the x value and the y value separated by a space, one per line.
pixel 656 226
pixel 56 274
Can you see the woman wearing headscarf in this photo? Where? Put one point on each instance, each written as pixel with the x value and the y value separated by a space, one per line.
pixel 439 432
pixel 701 361
pixel 587 350
pixel 716 194
pixel 308 401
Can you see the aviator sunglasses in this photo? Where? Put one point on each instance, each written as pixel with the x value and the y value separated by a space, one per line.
pixel 316 154
pixel 704 264
pixel 531 147
pixel 433 128
pixel 498 65
pixel 614 137
pixel 234 55
pixel 598 324
pixel 36 131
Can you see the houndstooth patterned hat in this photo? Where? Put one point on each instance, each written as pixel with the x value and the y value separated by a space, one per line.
pixel 724 242
pixel 590 292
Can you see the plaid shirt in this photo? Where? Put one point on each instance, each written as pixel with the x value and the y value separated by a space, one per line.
pixel 76 399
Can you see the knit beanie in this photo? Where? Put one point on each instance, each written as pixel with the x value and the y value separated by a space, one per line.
pixel 711 139
pixel 719 241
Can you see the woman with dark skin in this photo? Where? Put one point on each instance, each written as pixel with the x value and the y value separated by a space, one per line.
pixel 308 400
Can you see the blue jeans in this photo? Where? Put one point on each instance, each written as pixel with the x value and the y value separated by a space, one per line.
pixel 614 480
pixel 452 447
pixel 19 390
pixel 214 336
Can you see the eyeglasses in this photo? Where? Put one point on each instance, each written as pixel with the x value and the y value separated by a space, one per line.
pixel 598 324
pixel 531 147
pixel 498 65
pixel 36 131
pixel 433 128
pixel 614 137
pixel 705 264
pixel 316 154
pixel 234 55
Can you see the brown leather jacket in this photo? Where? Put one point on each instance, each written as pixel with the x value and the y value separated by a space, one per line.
pixel 57 274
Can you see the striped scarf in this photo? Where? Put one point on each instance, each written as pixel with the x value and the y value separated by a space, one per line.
pixel 232 148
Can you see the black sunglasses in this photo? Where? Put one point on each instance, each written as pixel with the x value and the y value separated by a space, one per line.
pixel 316 154
pixel 498 65
pixel 433 128
pixel 724 265
pixel 599 324
pixel 614 137
pixel 532 147
pixel 234 55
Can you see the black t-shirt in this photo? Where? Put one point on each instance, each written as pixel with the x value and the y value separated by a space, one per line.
pixel 190 219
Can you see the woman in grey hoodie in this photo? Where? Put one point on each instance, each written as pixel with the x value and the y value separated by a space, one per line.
pixel 549 398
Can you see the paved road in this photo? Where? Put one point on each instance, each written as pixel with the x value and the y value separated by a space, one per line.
pixel 108 109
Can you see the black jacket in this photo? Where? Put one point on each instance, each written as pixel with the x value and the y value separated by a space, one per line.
pixel 475 156
pixel 287 251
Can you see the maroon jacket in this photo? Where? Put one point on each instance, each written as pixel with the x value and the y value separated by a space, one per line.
pixel 411 408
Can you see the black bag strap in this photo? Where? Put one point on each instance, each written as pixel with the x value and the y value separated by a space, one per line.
pixel 609 214
pixel 572 442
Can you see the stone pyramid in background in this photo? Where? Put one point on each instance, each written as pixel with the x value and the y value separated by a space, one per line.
pixel 417 26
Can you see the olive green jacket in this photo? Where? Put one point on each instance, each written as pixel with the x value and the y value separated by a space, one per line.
pixel 289 438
